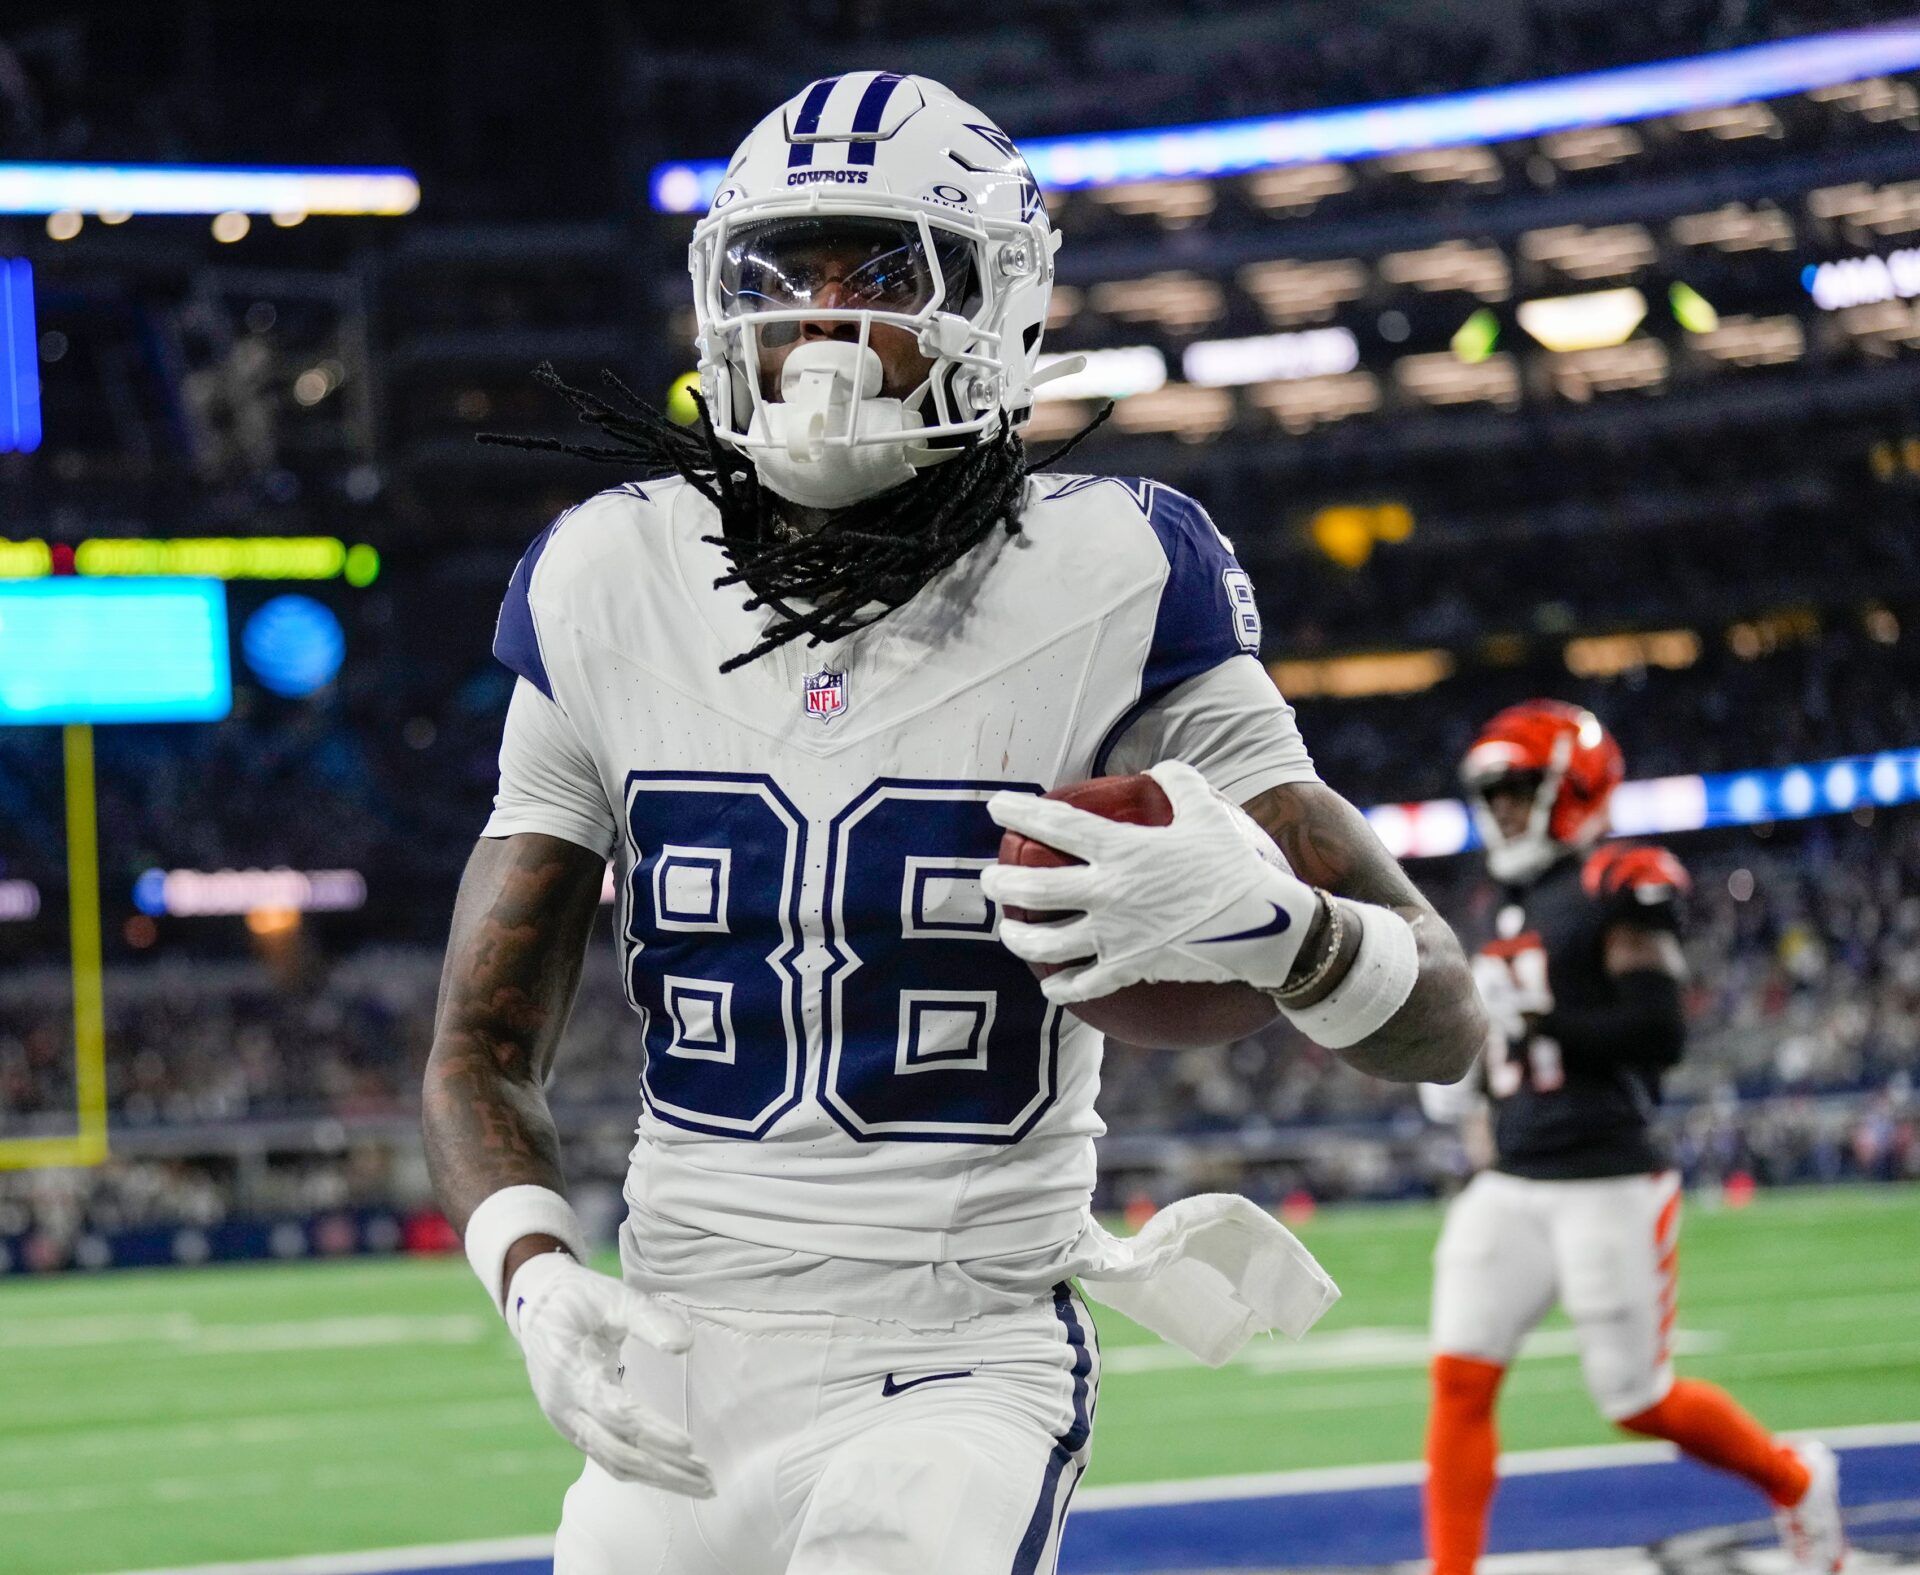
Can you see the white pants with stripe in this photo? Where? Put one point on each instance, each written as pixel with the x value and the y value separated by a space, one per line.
pixel 845 1447
pixel 1604 1250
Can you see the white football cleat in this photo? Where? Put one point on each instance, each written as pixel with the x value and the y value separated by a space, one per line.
pixel 1811 1531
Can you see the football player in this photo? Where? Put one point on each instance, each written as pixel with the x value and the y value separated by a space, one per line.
pixel 794 682
pixel 1582 979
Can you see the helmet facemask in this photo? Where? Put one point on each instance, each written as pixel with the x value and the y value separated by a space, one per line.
pixel 841 350
pixel 1517 857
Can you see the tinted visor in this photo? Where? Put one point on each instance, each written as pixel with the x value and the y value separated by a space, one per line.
pixel 840 263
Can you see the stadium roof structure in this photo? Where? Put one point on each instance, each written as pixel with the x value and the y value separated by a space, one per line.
pixel 1243 147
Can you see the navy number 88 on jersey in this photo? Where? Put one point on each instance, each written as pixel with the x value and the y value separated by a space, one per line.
pixel 926 1028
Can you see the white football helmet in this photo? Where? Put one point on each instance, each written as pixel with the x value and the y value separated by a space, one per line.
pixel 933 224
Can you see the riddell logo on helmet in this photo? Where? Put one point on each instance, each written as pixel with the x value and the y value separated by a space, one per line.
pixel 837 177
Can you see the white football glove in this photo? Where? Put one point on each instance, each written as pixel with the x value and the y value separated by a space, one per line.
pixel 1208 898
pixel 570 1322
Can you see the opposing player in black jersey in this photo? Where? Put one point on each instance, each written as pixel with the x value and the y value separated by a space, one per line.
pixel 1582 978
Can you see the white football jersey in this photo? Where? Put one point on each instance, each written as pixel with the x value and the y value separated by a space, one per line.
pixel 841 1059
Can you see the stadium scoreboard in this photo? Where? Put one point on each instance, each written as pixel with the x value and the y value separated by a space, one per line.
pixel 87 651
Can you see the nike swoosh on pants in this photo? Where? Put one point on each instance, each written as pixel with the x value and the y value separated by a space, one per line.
pixel 890 1388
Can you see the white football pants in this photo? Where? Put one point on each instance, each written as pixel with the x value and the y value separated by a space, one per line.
pixel 845 1447
pixel 1605 1250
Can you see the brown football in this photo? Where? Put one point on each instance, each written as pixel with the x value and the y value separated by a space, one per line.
pixel 1171 1015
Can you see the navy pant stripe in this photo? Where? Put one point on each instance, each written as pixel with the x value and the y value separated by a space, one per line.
pixel 1040 1525
pixel 873 104
pixel 807 122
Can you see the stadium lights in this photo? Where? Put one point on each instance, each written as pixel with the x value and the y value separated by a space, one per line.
pixel 1108 374
pixel 1301 292
pixel 1595 321
pixel 194 894
pixel 87 651
pixel 1240 147
pixel 1610 655
pixel 194 557
pixel 1270 358
pixel 1691 310
pixel 1863 281
pixel 1452 265
pixel 1191 414
pixel 205 189
pixel 1609 251
pixel 1177 301
pixel 19 901
pixel 1362 676
pixel 1734 227
pixel 1753 341
pixel 1441 379
pixel 1661 806
pixel 1475 339
pixel 1317 401
pixel 19 359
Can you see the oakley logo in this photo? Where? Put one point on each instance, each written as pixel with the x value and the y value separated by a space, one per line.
pixel 832 177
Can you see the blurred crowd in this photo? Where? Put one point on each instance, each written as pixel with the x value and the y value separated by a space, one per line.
pixel 1839 690
pixel 390 770
pixel 238 1091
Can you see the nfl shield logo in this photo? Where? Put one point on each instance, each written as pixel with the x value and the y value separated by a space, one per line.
pixel 826 693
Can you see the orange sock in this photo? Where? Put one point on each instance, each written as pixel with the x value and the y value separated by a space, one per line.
pixel 1709 1424
pixel 1461 1446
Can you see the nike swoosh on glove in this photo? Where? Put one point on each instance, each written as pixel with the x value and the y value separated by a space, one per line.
pixel 571 1322
pixel 1207 899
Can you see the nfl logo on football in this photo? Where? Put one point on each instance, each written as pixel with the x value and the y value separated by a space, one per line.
pixel 826 693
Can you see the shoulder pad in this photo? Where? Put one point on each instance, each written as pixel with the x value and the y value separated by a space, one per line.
pixel 572 536
pixel 1647 874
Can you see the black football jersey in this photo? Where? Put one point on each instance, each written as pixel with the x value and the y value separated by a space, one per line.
pixel 1552 1121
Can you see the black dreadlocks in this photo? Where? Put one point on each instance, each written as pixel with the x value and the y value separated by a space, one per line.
pixel 864 562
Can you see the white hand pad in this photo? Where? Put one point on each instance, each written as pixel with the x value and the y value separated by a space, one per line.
pixel 570 1322
pixel 1209 1273
pixel 1199 900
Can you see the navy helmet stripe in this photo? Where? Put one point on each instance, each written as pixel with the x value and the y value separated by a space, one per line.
pixel 807 122
pixel 866 118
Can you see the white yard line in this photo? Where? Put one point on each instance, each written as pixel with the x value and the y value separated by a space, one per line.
pixel 379 1561
pixel 157 1440
pixel 186 1335
pixel 1357 1350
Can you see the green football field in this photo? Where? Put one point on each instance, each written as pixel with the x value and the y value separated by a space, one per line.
pixel 181 1417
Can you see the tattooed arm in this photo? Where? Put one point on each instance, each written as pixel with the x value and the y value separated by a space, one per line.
pixel 1441 1027
pixel 527 903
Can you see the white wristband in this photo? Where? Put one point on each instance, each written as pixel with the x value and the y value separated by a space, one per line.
pixel 1376 986
pixel 509 1214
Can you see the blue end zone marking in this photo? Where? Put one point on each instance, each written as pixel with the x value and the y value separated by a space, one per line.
pixel 1619 1506
pixel 1610 1506
pixel 508 1567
